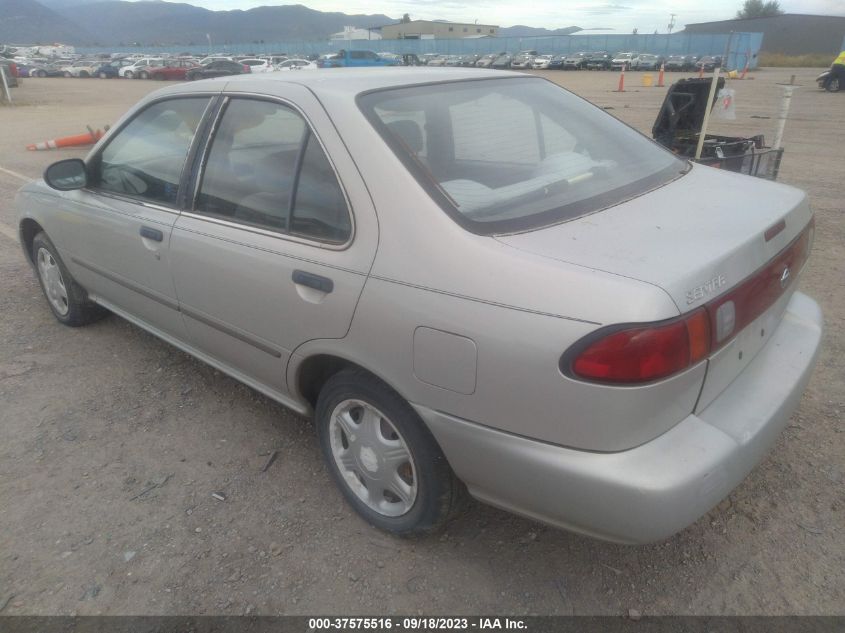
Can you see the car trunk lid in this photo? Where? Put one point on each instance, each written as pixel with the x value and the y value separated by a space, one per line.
pixel 699 239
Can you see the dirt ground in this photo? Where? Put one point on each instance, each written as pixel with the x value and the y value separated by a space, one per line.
pixel 113 443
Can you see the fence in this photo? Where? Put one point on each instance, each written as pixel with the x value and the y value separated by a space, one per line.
pixel 742 46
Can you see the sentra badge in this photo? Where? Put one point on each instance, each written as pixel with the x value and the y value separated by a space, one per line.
pixel 706 289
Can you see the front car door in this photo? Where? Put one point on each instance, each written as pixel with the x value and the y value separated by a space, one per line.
pixel 280 239
pixel 117 230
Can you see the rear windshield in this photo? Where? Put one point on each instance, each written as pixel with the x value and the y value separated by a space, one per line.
pixel 509 155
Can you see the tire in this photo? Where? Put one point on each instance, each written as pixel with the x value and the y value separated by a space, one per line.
pixel 41 73
pixel 103 76
pixel 832 85
pixel 67 299
pixel 386 428
pixel 128 75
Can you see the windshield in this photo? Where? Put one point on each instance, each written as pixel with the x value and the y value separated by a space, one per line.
pixel 507 155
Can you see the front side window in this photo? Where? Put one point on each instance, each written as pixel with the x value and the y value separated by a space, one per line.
pixel 266 169
pixel 145 159
pixel 508 155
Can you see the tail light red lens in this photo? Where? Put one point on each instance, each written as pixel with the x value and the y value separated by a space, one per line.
pixel 644 354
pixel 651 351
pixel 247 69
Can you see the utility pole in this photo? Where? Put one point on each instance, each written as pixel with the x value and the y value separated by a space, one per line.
pixel 671 26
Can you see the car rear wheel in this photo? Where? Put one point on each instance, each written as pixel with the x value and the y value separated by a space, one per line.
pixel 68 300
pixel 382 457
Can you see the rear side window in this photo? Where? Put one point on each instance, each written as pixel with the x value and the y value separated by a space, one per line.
pixel 266 169
pixel 145 159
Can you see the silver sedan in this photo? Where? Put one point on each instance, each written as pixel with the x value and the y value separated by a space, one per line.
pixel 471 282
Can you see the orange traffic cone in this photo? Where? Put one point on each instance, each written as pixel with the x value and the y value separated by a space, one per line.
pixel 621 87
pixel 89 138
pixel 660 76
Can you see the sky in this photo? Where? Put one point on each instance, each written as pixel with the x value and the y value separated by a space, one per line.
pixel 621 15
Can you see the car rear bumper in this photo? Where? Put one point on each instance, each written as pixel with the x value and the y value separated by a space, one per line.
pixel 650 492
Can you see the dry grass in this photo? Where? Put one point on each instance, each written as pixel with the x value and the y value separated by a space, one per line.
pixel 812 60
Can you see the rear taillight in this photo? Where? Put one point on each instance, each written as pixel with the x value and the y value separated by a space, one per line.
pixel 643 353
pixel 247 69
pixel 640 353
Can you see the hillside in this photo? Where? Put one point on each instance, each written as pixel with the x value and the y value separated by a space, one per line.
pixel 28 22
pixel 115 22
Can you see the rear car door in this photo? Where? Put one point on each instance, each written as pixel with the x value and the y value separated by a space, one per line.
pixel 269 255
pixel 117 230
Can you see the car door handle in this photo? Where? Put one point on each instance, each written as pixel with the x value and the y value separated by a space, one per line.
pixel 152 234
pixel 323 284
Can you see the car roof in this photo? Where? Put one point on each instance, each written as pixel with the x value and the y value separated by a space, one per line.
pixel 357 80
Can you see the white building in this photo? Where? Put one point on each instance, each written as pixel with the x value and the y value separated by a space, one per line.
pixel 353 33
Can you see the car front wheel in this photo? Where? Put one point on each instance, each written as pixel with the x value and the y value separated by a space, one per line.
pixel 67 299
pixel 382 457
pixel 128 74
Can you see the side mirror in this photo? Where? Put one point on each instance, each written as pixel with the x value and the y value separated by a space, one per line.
pixel 66 175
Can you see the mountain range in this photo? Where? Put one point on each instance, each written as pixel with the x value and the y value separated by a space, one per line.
pixel 147 23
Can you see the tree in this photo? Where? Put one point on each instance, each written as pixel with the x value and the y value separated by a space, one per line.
pixel 406 18
pixel 759 9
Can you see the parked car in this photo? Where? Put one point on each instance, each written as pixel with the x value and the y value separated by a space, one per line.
pixel 485 61
pixel 133 69
pixel 556 63
pixel 110 70
pixel 598 61
pixel 205 61
pixel 541 62
pixel 523 60
pixel 411 59
pixel 296 64
pixel 501 62
pixel 175 69
pixel 344 58
pixel 709 63
pixel 622 60
pixel 646 61
pixel 83 68
pixel 257 65
pixel 220 68
pixel 427 57
pixel 37 69
pixel 453 60
pixel 683 63
pixel 576 61
pixel 310 251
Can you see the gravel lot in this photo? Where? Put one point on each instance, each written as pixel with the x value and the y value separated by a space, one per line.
pixel 113 443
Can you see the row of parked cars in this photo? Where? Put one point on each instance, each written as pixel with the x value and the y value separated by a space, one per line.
pixel 584 60
pixel 162 68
